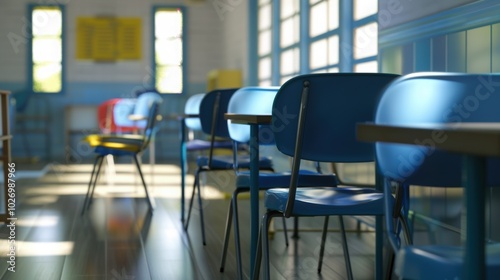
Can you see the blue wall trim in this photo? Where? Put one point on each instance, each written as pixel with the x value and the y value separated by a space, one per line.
pixel 458 19
pixel 253 58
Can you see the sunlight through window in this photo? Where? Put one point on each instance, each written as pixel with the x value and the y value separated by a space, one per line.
pixel 47 49
pixel 169 50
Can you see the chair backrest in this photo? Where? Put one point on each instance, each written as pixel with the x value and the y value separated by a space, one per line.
pixel 251 101
pixel 335 103
pixel 143 106
pixel 315 117
pixel 150 128
pixel 212 110
pixel 192 107
pixel 435 98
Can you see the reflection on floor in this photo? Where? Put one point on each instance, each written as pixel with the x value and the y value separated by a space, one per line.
pixel 117 239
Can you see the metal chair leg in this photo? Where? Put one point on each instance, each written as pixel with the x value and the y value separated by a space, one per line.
pixel 90 184
pixel 258 255
pixel 346 250
pixel 151 201
pixel 323 241
pixel 285 231
pixel 237 242
pixel 202 220
pixel 265 244
pixel 227 232
pixel 91 197
pixel 196 181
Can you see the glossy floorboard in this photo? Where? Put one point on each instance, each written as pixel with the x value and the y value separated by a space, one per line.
pixel 118 239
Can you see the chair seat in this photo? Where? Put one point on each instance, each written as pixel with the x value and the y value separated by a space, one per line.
pixel 307 178
pixel 328 201
pixel 199 145
pixel 95 140
pixel 226 162
pixel 441 262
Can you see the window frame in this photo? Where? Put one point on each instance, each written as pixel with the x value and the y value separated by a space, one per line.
pixel 30 62
pixel 184 38
pixel 345 32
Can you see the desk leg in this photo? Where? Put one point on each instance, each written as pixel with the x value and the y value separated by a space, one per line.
pixel 379 231
pixel 473 176
pixel 183 165
pixel 254 193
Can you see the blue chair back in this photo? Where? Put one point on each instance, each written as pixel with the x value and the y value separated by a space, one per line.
pixel 192 107
pixel 212 110
pixel 435 98
pixel 251 101
pixel 143 106
pixel 336 102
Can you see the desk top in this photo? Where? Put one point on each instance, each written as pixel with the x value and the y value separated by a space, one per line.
pixel 482 139
pixel 248 119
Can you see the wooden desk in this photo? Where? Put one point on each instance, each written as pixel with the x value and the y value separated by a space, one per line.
pixel 476 141
pixel 6 137
pixel 254 121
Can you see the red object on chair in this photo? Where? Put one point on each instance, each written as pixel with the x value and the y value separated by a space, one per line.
pixel 112 116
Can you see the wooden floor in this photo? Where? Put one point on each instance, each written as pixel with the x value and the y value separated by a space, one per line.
pixel 118 239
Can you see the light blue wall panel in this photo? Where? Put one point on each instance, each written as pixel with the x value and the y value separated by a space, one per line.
pixel 408 61
pixel 456 52
pixel 438 54
pixel 495 48
pixel 392 60
pixel 422 57
pixel 479 50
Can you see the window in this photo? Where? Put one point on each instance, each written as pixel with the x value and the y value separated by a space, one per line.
pixel 329 41
pixel 289 39
pixel 46 49
pixel 365 45
pixel 168 50
pixel 265 43
pixel 324 34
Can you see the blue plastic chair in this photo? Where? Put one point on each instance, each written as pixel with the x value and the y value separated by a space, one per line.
pixel 259 101
pixel 123 145
pixel 190 123
pixel 432 98
pixel 212 109
pixel 322 111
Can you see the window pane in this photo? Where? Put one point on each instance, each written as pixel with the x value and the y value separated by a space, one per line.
pixel 46 21
pixel 365 41
pixel 289 61
pixel 288 8
pixel 47 77
pixel 168 24
pixel 289 32
pixel 47 50
pixel 169 51
pixel 333 70
pixel 333 50
pixel 265 17
pixel 265 42
pixel 265 83
pixel 366 67
pixel 169 79
pixel 318 19
pixel 319 51
pixel 265 68
pixel 284 79
pixel 364 8
pixel 333 14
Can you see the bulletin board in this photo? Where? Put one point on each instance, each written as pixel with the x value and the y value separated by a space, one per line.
pixel 108 38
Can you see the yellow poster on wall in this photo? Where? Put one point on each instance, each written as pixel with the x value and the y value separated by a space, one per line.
pixel 108 38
